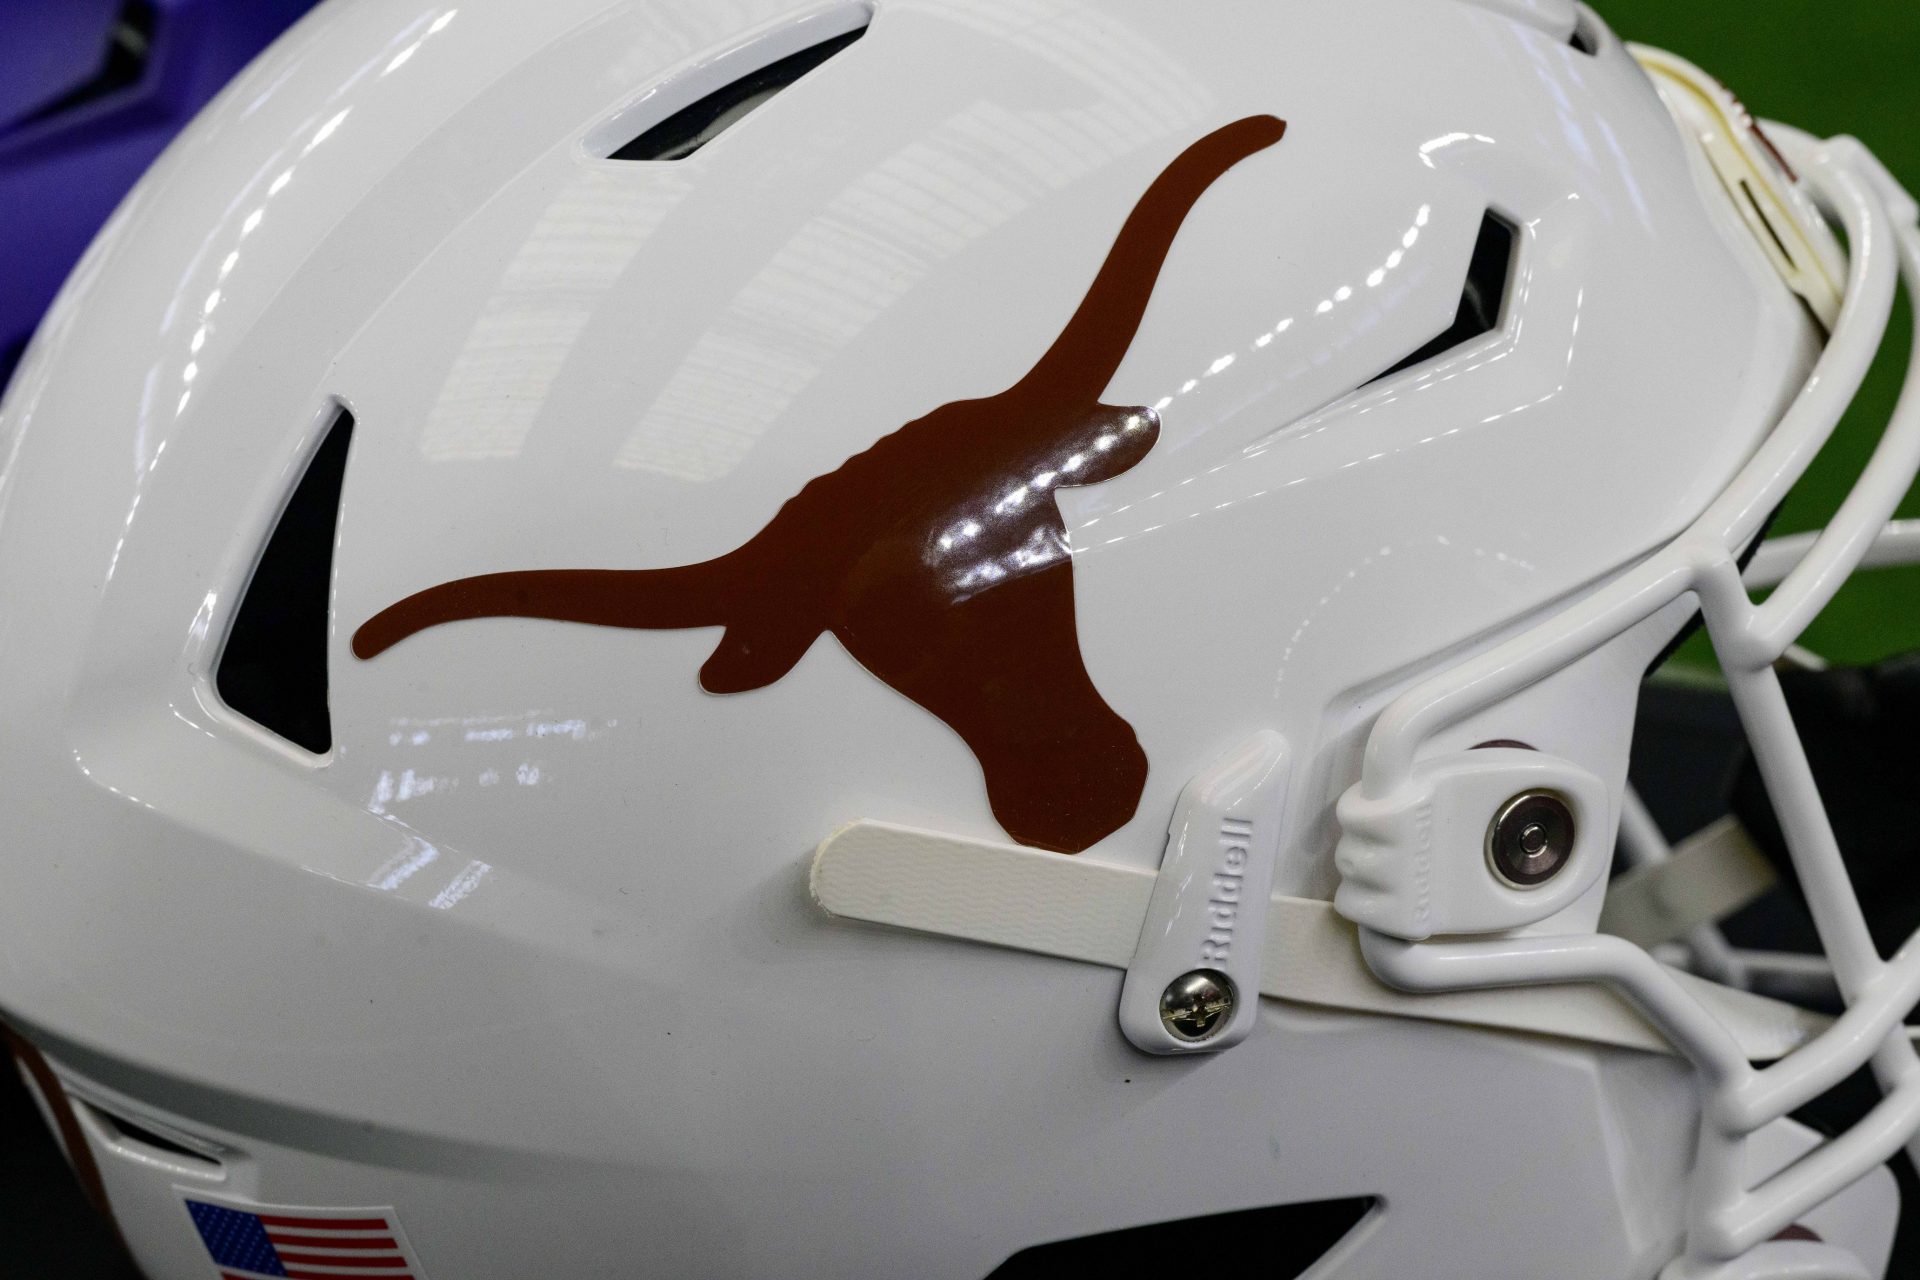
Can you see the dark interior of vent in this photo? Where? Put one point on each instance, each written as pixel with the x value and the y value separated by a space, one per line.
pixel 1582 38
pixel 274 667
pixel 1287 1239
pixel 692 127
pixel 1482 298
pixel 122 63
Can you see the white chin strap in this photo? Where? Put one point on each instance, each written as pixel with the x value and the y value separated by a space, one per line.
pixel 1091 911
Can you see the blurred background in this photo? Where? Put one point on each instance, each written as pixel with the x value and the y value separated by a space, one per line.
pixel 1830 69
pixel 92 90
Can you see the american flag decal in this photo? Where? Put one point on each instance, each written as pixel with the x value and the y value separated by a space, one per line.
pixel 264 1242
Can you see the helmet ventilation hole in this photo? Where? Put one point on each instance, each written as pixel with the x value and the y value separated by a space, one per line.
pixel 701 121
pixel 273 668
pixel 1287 1238
pixel 1483 298
pixel 1584 38
pixel 139 1142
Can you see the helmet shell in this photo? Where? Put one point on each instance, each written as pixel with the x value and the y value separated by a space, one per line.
pixel 530 944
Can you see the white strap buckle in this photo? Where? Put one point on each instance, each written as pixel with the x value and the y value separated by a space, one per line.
pixel 1194 980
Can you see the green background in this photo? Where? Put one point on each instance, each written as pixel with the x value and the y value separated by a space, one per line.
pixel 1830 67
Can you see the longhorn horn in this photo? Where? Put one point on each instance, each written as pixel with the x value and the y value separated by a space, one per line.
pixel 692 595
pixel 1095 340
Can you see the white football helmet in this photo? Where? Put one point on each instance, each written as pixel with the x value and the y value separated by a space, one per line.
pixel 1121 542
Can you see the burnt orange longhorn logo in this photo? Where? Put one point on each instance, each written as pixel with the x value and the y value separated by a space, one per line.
pixel 937 557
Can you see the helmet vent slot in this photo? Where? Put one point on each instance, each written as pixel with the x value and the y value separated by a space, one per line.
pixel 1287 1238
pixel 130 1138
pixel 273 668
pixel 701 121
pixel 1585 38
pixel 1483 298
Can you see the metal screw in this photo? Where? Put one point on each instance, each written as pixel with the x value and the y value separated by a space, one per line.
pixel 1530 839
pixel 1197 1004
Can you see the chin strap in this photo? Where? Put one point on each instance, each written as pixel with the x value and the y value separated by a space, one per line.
pixel 1083 909
pixel 1706 878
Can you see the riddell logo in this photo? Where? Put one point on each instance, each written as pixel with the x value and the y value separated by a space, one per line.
pixel 937 557
pixel 1224 893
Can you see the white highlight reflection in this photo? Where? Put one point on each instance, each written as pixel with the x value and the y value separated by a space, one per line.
pixel 461 885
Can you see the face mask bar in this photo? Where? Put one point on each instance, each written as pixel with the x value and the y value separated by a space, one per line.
pixel 1731 1226
pixel 1694 938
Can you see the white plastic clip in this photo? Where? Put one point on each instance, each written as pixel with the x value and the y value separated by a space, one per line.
pixel 1418 861
pixel 1208 912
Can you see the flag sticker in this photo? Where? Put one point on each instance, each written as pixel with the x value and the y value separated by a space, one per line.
pixel 266 1242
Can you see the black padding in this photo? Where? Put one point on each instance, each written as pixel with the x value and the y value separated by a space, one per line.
pixel 1861 727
